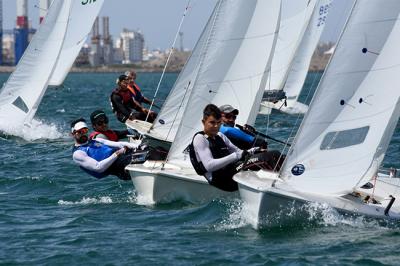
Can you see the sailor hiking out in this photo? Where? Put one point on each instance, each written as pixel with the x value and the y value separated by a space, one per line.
pixel 100 157
pixel 214 156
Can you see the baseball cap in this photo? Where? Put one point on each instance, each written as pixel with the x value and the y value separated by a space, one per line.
pixel 97 115
pixel 226 108
pixel 78 125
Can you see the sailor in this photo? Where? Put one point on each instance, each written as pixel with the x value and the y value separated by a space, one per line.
pixel 213 155
pixel 100 157
pixel 99 122
pixel 243 139
pixel 125 106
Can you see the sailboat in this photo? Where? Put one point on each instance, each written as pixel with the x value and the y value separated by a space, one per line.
pixel 339 148
pixel 48 51
pixel 229 64
pixel 79 27
pixel 298 37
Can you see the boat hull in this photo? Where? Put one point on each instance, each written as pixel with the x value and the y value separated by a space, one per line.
pixel 155 185
pixel 270 203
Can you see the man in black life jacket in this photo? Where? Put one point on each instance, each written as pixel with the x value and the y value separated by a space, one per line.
pixel 213 155
pixel 124 106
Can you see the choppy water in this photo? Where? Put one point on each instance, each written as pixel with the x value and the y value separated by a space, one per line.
pixel 52 213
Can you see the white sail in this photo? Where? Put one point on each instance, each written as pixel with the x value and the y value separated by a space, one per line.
pixel 352 116
pixel 23 91
pixel 234 65
pixel 295 18
pixel 171 113
pixel 301 62
pixel 82 16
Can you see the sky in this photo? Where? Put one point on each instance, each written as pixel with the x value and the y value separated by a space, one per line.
pixel 158 20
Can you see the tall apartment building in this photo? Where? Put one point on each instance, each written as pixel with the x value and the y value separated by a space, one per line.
pixel 132 45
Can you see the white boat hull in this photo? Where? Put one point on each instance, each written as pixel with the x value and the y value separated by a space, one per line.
pixel 293 107
pixel 269 202
pixel 155 185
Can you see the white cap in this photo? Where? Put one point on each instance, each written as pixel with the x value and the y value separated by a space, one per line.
pixel 78 126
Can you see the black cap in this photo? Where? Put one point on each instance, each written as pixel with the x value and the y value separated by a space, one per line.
pixel 97 115
pixel 122 77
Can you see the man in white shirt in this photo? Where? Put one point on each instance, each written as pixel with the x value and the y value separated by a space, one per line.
pixel 100 157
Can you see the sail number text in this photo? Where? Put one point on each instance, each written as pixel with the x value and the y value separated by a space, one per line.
pixel 85 2
pixel 323 12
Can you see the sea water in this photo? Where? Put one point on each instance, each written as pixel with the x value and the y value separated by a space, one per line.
pixel 52 213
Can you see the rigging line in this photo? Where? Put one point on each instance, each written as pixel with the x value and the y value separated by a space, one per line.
pixel 169 57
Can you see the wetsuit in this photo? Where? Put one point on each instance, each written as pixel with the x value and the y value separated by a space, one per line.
pixel 241 139
pixel 98 158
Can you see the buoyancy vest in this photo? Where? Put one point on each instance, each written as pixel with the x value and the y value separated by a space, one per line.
pixel 218 150
pixel 136 92
pixel 111 135
pixel 126 95
pixel 97 151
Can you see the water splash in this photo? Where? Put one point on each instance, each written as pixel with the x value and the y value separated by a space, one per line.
pixel 88 201
pixel 36 130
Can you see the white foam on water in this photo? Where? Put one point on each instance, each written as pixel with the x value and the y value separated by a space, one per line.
pixel 37 129
pixel 88 201
pixel 237 216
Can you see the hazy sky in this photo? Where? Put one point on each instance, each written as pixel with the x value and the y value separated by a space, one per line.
pixel 159 19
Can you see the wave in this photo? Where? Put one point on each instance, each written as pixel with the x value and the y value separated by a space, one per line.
pixel 36 130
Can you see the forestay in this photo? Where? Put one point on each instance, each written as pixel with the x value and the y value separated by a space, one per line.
pixel 295 18
pixel 301 61
pixel 82 16
pixel 234 67
pixel 171 112
pixel 23 91
pixel 351 119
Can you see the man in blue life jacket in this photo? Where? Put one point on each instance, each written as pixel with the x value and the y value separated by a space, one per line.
pixel 100 157
pixel 243 139
pixel 214 156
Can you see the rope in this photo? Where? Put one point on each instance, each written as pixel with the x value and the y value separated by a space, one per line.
pixel 169 57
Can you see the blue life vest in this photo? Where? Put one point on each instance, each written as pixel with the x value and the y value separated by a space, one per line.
pixel 98 151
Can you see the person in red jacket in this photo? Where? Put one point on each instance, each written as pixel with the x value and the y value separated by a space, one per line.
pixel 101 130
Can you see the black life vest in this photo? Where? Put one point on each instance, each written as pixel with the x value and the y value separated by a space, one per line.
pixel 218 150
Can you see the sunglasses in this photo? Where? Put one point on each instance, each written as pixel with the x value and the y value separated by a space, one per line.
pixel 230 116
pixel 81 131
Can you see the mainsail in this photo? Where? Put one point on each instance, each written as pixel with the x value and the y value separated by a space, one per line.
pixel 80 23
pixel 351 119
pixel 23 91
pixel 295 18
pixel 171 112
pixel 301 62
pixel 234 65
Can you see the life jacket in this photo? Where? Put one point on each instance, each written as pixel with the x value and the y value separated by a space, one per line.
pixel 125 95
pixel 111 135
pixel 97 151
pixel 136 92
pixel 218 150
